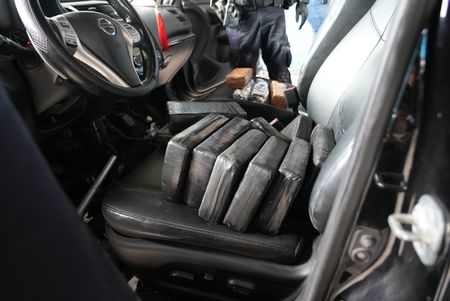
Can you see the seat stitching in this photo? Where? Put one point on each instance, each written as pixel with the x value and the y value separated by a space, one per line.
pixel 149 221
pixel 372 18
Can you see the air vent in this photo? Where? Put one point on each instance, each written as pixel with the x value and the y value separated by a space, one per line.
pixel 175 13
pixel 180 18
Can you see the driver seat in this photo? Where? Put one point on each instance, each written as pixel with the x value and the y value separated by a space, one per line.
pixel 168 244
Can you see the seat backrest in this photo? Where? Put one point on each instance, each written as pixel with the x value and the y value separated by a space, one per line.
pixel 341 18
pixel 339 93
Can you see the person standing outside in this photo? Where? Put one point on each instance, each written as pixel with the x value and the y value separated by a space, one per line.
pixel 261 26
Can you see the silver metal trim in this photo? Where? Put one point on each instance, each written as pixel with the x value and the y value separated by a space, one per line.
pixel 94 188
pixel 83 3
pixel 181 39
pixel 69 8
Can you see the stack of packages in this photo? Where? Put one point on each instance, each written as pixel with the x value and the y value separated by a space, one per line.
pixel 257 90
pixel 239 172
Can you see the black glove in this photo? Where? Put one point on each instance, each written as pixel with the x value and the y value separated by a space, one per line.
pixel 301 10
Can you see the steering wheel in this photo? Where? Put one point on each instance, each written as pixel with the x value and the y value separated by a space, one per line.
pixel 100 53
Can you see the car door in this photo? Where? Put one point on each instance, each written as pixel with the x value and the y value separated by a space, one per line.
pixel 209 61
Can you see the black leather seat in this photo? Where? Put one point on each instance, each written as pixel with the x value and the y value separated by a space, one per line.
pixel 148 232
pixel 146 215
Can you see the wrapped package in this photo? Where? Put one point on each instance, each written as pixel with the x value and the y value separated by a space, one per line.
pixel 285 188
pixel 227 173
pixel 300 128
pixel 205 155
pixel 244 93
pixel 265 127
pixel 183 114
pixel 293 99
pixel 259 175
pixel 278 97
pixel 239 77
pixel 178 154
pixel 322 143
pixel 260 92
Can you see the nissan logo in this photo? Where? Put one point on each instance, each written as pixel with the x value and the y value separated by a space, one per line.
pixel 107 26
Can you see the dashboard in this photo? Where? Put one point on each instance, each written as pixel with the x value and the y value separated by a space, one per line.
pixel 177 26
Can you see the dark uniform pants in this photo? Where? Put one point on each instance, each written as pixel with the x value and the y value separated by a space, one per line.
pixel 265 29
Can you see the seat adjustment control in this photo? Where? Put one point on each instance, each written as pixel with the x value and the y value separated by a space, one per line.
pixel 209 277
pixel 240 287
pixel 182 275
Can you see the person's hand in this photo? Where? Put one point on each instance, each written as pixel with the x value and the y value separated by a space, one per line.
pixel 301 10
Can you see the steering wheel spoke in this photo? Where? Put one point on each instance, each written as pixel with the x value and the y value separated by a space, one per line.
pixel 133 32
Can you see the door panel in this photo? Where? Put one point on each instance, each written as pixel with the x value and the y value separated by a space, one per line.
pixel 209 61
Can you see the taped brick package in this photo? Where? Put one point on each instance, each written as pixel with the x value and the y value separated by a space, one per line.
pixel 204 156
pixel 183 114
pixel 300 128
pixel 178 154
pixel 227 173
pixel 277 91
pixel 322 142
pixel 285 188
pixel 259 175
pixel 265 127
pixel 239 77
pixel 260 92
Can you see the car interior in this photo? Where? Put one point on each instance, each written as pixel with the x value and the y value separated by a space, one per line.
pixel 99 115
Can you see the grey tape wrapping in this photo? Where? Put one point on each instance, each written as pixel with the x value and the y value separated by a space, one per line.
pixel 300 127
pixel 322 142
pixel 205 155
pixel 179 151
pixel 259 175
pixel 265 127
pixel 227 173
pixel 285 188
pixel 183 114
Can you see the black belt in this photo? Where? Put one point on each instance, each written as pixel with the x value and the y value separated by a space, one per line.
pixel 255 4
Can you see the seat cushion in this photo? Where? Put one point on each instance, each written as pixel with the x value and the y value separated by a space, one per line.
pixel 136 209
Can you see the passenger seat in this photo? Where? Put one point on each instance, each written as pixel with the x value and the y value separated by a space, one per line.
pixel 155 236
